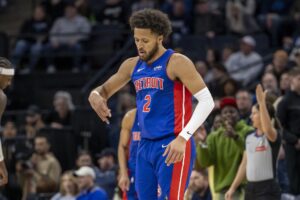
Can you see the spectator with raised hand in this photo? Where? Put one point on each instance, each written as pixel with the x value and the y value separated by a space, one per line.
pixel 240 16
pixel 223 148
pixel 260 154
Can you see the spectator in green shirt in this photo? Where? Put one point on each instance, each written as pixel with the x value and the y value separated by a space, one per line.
pixel 223 148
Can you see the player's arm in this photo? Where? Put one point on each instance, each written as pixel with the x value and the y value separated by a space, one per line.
pixel 125 136
pixel 99 96
pixel 3 170
pixel 181 68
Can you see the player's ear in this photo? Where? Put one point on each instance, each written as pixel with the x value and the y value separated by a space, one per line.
pixel 160 38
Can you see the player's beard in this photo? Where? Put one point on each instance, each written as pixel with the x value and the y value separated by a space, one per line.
pixel 151 53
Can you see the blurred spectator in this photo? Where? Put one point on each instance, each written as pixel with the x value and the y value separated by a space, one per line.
pixel 245 65
pixel 67 33
pixel 226 53
pixel 68 188
pixel 219 76
pixel 33 121
pixel 212 57
pixel 295 56
pixel 63 107
pixel 289 118
pixel 84 158
pixel 223 148
pixel 279 64
pixel 39 174
pixel 285 81
pixel 198 188
pixel 113 12
pixel 83 8
pixel 217 123
pixel 230 88
pixel 107 163
pixel 142 4
pixel 88 190
pixel 270 14
pixel 206 23
pixel 179 20
pixel 31 39
pixel 244 104
pixel 217 6
pixel 126 103
pixel 260 154
pixel 54 8
pixel 9 130
pixel 204 71
pixel 269 83
pixel 240 16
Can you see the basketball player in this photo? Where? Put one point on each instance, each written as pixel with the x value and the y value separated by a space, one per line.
pixel 129 139
pixel 164 82
pixel 6 74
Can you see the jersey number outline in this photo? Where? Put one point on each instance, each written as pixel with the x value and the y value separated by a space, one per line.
pixel 147 104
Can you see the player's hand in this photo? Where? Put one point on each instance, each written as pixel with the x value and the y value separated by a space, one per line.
pixel 124 183
pixel 175 150
pixel 229 193
pixel 99 104
pixel 3 174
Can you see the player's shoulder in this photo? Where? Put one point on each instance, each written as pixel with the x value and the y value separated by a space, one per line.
pixel 128 65
pixel 178 57
pixel 132 61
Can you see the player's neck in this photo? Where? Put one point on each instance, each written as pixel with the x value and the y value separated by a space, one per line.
pixel 161 50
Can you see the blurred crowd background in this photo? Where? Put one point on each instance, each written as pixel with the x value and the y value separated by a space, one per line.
pixel 61 49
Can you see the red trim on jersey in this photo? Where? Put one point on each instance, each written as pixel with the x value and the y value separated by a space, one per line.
pixel 188 106
pixel 180 172
pixel 178 110
pixel 124 196
pixel 177 107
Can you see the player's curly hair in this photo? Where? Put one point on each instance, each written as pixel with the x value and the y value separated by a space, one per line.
pixel 157 21
pixel 5 63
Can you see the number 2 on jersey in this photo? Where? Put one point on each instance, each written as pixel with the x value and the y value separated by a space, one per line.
pixel 147 104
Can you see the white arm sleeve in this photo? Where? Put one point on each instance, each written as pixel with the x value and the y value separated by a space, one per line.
pixel 201 112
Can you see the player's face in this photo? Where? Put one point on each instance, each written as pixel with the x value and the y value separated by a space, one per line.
pixel 147 43
pixel 5 81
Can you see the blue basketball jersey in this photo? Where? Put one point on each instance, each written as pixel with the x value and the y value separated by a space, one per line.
pixel 164 106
